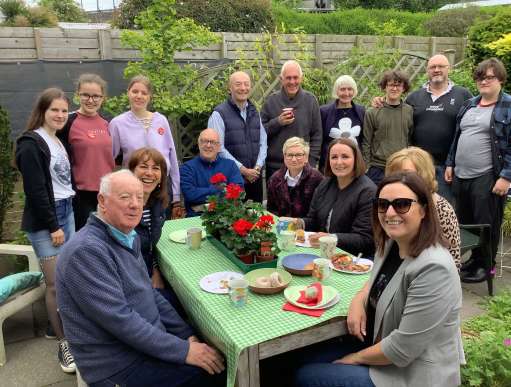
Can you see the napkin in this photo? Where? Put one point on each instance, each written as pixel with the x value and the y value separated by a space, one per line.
pixel 309 312
pixel 311 301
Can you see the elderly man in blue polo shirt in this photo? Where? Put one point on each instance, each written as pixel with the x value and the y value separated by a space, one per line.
pixel 122 331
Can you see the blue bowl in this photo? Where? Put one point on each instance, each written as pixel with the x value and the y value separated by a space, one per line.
pixel 295 263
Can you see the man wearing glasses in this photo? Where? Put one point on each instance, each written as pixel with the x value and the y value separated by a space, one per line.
pixel 197 172
pixel 479 163
pixel 242 135
pixel 435 106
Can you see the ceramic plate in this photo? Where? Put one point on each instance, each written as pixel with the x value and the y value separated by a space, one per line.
pixel 179 236
pixel 217 282
pixel 295 263
pixel 306 243
pixel 362 261
pixel 329 294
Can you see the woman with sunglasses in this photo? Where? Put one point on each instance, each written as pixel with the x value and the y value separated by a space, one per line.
pixel 407 316
pixel 414 159
pixel 140 127
pixel 341 203
pixel 88 145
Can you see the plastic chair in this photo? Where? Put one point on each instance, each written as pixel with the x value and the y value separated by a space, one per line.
pixel 473 236
pixel 23 298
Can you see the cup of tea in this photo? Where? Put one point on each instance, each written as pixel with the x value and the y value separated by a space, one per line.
pixel 194 238
pixel 238 292
pixel 321 269
pixel 286 240
pixel 289 110
pixel 327 245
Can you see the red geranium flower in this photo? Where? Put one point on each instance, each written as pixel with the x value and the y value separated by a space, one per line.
pixel 233 191
pixel 264 222
pixel 218 178
pixel 242 227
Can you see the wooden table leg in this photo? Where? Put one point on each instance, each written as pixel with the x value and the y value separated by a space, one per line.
pixel 247 374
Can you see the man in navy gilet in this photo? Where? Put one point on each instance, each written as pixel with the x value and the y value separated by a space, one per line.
pixel 242 135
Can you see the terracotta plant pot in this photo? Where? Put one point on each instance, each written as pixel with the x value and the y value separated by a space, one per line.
pixel 246 258
pixel 264 258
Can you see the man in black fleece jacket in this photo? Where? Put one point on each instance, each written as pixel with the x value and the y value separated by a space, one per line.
pixel 291 112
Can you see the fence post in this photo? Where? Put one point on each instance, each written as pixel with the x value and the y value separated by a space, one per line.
pixel 223 47
pixel 275 49
pixel 38 43
pixel 105 44
pixel 318 50
pixel 432 45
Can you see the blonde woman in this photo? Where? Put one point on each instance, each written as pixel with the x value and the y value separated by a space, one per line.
pixel 290 189
pixel 417 160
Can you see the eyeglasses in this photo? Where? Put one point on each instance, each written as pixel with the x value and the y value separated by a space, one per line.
pixel 208 142
pixel 487 78
pixel 439 67
pixel 400 205
pixel 86 97
pixel 394 85
pixel 297 156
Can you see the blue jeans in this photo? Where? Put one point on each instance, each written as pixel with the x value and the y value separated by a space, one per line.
pixel 318 369
pixel 444 189
pixel 41 240
pixel 151 372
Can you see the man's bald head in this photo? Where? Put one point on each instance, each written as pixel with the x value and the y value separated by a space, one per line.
pixel 438 70
pixel 209 144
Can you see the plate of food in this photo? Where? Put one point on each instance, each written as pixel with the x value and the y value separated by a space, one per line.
pixel 302 238
pixel 218 282
pixel 330 297
pixel 179 236
pixel 268 280
pixel 299 264
pixel 345 263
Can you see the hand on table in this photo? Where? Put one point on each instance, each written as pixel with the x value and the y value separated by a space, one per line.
pixel 57 237
pixel 314 238
pixel 178 211
pixel 203 356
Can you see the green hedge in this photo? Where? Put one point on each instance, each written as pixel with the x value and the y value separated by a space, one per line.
pixel 356 21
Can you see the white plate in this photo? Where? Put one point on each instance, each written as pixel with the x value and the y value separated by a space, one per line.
pixel 306 243
pixel 217 282
pixel 290 296
pixel 362 261
pixel 179 236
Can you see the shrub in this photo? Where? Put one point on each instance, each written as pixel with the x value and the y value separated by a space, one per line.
pixel 229 15
pixel 487 31
pixel 12 8
pixel 348 22
pixel 7 172
pixel 41 17
pixel 407 5
pixel 128 10
pixel 66 10
pixel 453 22
pixel 20 21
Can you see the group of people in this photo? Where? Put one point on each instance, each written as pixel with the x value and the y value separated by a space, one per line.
pixel 384 180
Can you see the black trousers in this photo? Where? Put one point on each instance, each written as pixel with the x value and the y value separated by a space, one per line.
pixel 476 204
pixel 84 203
pixel 254 190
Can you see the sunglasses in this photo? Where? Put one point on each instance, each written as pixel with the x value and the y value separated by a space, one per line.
pixel 400 205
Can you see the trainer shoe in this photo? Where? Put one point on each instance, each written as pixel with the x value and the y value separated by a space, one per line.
pixel 67 361
pixel 50 333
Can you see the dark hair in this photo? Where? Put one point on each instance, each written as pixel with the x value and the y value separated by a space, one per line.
pixel 499 70
pixel 91 78
pixel 359 167
pixel 145 154
pixel 395 76
pixel 42 104
pixel 429 233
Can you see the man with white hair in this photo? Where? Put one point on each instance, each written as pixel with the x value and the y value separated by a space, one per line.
pixel 291 112
pixel 122 331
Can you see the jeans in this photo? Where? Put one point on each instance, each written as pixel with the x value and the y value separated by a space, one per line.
pixel 444 189
pixel 151 372
pixel 320 371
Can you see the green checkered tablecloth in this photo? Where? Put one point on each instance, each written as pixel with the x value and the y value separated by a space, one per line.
pixel 262 319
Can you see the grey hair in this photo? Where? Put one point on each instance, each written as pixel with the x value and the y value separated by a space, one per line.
pixel 296 141
pixel 105 183
pixel 289 63
pixel 344 80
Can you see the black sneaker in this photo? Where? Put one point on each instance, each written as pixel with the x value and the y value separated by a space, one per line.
pixel 50 333
pixel 67 361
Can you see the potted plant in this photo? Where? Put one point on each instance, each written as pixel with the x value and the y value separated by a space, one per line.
pixel 265 239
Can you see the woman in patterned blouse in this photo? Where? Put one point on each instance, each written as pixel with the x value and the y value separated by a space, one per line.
pixel 417 160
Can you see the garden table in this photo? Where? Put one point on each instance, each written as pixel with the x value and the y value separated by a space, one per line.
pixel 261 328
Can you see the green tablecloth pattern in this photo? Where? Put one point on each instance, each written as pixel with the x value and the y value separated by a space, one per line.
pixel 261 319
